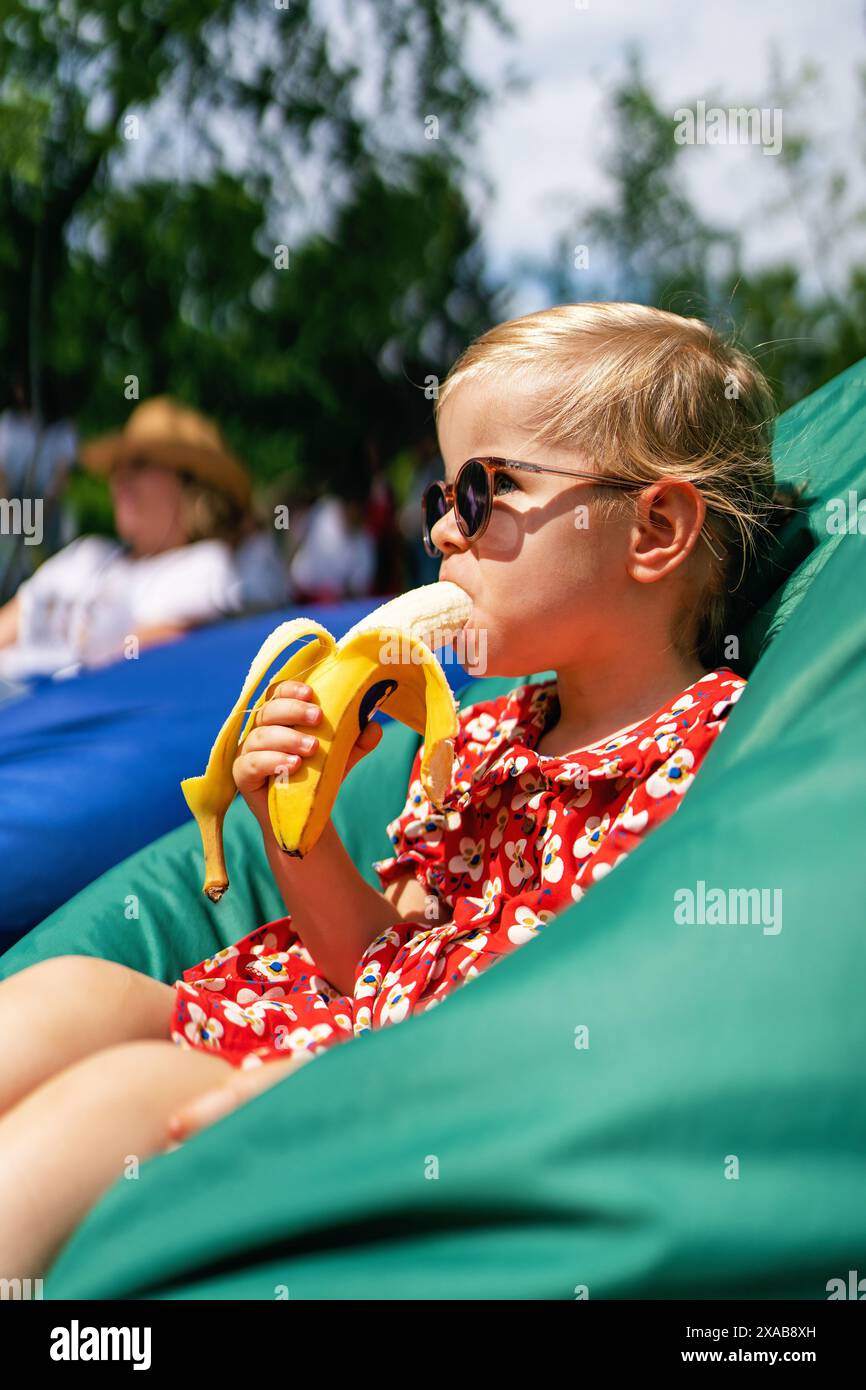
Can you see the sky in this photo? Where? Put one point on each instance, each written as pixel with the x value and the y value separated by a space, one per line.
pixel 540 153
pixel 543 149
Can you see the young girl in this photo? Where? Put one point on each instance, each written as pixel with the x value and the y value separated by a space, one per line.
pixel 607 470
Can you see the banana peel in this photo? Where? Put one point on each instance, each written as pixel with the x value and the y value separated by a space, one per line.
pixel 386 661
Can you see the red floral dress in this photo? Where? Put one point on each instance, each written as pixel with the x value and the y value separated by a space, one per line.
pixel 521 836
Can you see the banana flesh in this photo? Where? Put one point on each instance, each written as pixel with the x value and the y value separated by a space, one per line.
pixel 386 661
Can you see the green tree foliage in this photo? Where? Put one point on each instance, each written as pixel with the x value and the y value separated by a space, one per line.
pixel 649 244
pixel 151 155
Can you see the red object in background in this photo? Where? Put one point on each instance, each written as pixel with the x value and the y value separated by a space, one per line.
pixel 380 519
pixel 316 595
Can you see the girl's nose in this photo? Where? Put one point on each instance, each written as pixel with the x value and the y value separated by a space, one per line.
pixel 447 536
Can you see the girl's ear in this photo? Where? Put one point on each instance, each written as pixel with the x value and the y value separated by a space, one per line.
pixel 669 516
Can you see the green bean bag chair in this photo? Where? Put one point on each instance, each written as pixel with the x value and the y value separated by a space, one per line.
pixel 709 1141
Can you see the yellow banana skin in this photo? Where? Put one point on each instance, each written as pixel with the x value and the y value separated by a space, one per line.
pixel 350 684
pixel 351 679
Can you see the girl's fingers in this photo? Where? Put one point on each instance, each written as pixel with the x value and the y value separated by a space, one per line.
pixel 274 738
pixel 252 770
pixel 288 712
pixel 203 1111
pixel 365 742
pixel 291 690
pixel 213 1105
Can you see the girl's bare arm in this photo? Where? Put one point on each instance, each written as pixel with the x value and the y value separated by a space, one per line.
pixel 334 910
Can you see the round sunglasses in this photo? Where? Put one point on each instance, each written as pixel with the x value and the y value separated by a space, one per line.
pixel 471 495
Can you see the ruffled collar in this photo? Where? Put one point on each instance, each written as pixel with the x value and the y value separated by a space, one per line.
pixel 509 750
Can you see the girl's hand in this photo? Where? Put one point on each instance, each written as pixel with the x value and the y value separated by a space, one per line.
pixel 239 1086
pixel 283 734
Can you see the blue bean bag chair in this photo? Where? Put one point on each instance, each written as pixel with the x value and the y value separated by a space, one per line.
pixel 710 1140
pixel 90 767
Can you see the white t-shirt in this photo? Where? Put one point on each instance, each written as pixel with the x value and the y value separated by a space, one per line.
pixel 332 558
pixel 83 602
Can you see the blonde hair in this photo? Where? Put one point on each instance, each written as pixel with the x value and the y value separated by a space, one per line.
pixel 648 394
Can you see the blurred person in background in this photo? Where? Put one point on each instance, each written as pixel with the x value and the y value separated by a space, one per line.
pixel 37 451
pixel 381 521
pixel 336 556
pixel 187 554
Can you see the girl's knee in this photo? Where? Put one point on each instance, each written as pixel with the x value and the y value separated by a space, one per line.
pixel 69 969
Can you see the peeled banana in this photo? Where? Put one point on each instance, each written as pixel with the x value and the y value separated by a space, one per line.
pixel 386 661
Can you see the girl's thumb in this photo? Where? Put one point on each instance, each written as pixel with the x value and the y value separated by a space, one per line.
pixel 366 741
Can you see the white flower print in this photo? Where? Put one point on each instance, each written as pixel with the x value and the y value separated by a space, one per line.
pixel 575 773
pixel 609 768
pixel 666 743
pixel 368 981
pixel 519 870
pixel 675 775
pixel 245 997
pixel 306 1039
pixel 273 967
pixel 266 947
pixel 431 829
pixel 499 829
pixel 593 833
pixel 417 800
pixel 254 1016
pixel 202 1031
pixel 486 904
pixel 552 866
pixel 660 729
pixel 685 702
pixel 317 984
pixel 216 985
pixel 363 1019
pixel 632 820
pixel 577 802
pixel 470 860
pixel 517 762
pixel 601 870
pixel 612 745
pixel 480 728
pixel 721 705
pixel 397 1002
pixel 532 784
pixel 214 962
pixel 526 924
pixel 577 892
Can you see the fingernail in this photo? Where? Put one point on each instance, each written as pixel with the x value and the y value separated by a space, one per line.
pixel 308 742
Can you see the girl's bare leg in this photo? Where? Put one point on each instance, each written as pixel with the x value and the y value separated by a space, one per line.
pixel 62 1009
pixel 70 1139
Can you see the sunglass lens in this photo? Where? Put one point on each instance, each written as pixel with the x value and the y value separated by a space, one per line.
pixel 472 496
pixel 434 510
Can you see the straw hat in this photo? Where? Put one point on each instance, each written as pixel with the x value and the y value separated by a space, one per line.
pixel 173 436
